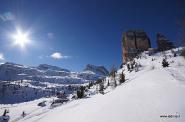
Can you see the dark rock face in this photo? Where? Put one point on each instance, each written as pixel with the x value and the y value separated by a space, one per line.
pixel 133 42
pixel 101 70
pixel 163 43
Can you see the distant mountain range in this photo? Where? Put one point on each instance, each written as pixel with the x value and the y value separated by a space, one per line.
pixel 48 73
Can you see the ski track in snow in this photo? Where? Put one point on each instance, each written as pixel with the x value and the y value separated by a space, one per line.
pixel 29 115
pixel 179 76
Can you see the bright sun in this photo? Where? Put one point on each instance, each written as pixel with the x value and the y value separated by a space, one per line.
pixel 21 39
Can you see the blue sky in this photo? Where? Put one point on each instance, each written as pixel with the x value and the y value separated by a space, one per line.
pixel 73 33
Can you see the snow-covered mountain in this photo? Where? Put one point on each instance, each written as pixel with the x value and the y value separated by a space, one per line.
pixel 49 67
pixel 29 83
pixel 48 73
pixel 101 70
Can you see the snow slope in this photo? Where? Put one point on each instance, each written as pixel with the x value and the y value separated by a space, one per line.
pixel 153 94
pixel 138 100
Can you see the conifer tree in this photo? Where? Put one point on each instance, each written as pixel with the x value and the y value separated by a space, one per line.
pixel 115 83
pixel 113 75
pixel 80 93
pixel 122 78
pixel 108 84
pixel 183 52
pixel 128 67
pixel 165 63
pixel 101 87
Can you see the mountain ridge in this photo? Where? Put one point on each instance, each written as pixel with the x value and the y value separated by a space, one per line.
pixel 48 73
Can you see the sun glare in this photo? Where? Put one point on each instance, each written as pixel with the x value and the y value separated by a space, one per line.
pixel 21 39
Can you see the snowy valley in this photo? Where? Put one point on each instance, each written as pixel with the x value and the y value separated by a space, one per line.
pixel 20 83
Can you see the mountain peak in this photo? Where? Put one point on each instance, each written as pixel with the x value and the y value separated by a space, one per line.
pixel 50 67
pixel 101 70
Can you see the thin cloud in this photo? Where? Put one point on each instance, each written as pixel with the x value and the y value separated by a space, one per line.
pixel 2 56
pixel 40 57
pixel 7 16
pixel 58 55
pixel 50 35
pixel 43 56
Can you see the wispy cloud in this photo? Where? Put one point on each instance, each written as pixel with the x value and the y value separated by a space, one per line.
pixel 58 55
pixel 43 56
pixel 7 16
pixel 2 56
pixel 50 35
pixel 40 57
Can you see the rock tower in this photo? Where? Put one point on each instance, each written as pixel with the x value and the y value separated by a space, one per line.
pixel 134 42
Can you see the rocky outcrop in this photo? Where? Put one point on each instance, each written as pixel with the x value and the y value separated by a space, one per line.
pixel 163 43
pixel 101 70
pixel 133 42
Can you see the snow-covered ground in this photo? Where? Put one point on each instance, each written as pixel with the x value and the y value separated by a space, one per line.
pixel 153 94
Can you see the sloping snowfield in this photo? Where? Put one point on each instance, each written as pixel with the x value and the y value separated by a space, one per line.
pixel 153 94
